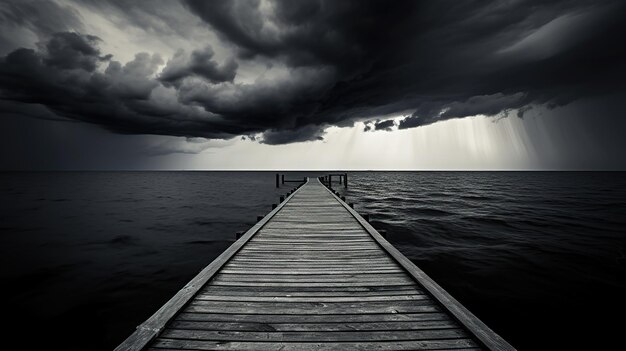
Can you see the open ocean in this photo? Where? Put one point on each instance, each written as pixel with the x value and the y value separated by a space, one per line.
pixel 540 257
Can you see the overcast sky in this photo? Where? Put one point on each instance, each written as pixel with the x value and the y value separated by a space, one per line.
pixel 88 84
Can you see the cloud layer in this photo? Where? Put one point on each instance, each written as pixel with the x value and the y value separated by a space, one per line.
pixel 314 64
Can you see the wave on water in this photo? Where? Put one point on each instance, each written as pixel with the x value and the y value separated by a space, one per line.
pixel 523 250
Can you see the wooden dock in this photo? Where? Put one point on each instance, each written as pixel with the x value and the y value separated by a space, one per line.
pixel 312 275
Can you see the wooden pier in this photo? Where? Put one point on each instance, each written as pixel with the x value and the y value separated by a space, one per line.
pixel 312 275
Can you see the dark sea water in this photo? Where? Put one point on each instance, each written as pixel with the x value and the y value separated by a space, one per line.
pixel 539 256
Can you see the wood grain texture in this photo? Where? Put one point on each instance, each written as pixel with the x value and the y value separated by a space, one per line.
pixel 311 275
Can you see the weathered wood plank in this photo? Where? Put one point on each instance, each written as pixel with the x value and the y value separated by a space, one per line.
pixel 308 284
pixel 312 318
pixel 326 346
pixel 322 268
pixel 369 264
pixel 337 254
pixel 418 306
pixel 316 327
pixel 314 291
pixel 313 336
pixel 296 271
pixel 352 277
pixel 318 299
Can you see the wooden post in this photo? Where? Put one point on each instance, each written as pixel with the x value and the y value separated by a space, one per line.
pixel 238 235
pixel 343 198
pixel 282 198
pixel 283 178
pixel 340 179
pixel 351 204
pixel 274 206
pixel 345 180
pixel 330 181
pixel 277 183
pixel 259 218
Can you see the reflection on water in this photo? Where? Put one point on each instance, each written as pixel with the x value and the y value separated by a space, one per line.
pixel 540 257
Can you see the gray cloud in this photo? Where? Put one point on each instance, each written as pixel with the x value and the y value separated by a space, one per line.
pixel 71 51
pixel 38 16
pixel 384 125
pixel 489 105
pixel 199 63
pixel 160 17
pixel 306 133
pixel 340 62
pixel 124 98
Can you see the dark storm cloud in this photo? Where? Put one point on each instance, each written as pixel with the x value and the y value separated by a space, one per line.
pixel 42 17
pixel 123 98
pixel 342 61
pixel 490 105
pixel 384 125
pixel 379 125
pixel 199 63
pixel 71 51
pixel 306 133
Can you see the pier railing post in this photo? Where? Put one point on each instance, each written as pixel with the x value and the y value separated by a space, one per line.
pixel 283 178
pixel 345 180
pixel 277 183
pixel 330 180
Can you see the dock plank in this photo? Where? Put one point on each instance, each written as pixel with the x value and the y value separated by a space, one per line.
pixel 177 344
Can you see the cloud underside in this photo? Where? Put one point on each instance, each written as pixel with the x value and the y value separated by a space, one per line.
pixel 340 62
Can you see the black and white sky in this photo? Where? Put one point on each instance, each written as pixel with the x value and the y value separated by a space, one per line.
pixel 518 84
